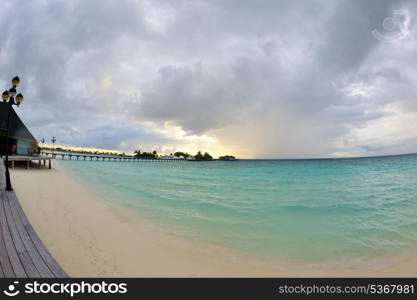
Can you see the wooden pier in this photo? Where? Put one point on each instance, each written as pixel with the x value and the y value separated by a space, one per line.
pixel 22 253
pixel 97 157
pixel 29 159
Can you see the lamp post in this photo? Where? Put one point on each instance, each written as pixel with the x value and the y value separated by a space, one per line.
pixel 53 146
pixel 42 141
pixel 9 98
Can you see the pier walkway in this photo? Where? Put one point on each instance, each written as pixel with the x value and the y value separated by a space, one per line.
pixel 22 253
pixel 101 157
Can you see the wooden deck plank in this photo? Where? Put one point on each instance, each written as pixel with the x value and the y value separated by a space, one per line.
pixel 14 243
pixel 1 272
pixel 27 241
pixel 4 256
pixel 24 256
pixel 22 253
pixel 44 253
pixel 16 265
pixel 7 270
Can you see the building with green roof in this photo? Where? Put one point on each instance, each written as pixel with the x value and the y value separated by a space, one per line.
pixel 21 141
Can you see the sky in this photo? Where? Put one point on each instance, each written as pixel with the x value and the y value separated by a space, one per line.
pixel 256 79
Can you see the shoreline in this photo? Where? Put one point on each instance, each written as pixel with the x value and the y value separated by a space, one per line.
pixel 92 237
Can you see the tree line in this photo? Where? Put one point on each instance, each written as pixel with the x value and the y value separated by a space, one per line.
pixel 199 156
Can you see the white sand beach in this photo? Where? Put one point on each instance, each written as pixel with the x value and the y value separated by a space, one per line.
pixel 91 237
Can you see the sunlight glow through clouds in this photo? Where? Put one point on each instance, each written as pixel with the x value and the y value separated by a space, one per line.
pixel 187 142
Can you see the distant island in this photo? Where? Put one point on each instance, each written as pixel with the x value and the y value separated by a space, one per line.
pixel 181 155
pixel 227 157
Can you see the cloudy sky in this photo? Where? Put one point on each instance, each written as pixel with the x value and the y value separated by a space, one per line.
pixel 273 79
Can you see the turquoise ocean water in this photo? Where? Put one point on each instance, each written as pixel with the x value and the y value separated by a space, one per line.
pixel 308 210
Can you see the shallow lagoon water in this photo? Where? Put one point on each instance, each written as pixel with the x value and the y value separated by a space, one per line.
pixel 308 210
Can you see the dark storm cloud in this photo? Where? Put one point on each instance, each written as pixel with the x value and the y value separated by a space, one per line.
pixel 273 78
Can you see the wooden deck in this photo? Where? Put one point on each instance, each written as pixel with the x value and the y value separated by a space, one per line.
pixel 22 253
pixel 29 159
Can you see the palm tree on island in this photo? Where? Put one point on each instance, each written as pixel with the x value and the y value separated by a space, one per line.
pixel 147 155
pixel 205 156
pixel 182 154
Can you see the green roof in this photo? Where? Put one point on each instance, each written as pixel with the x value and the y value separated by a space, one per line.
pixel 17 130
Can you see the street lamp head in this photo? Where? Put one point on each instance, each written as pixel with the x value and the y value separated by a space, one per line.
pixel 12 92
pixel 19 99
pixel 5 96
pixel 15 81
